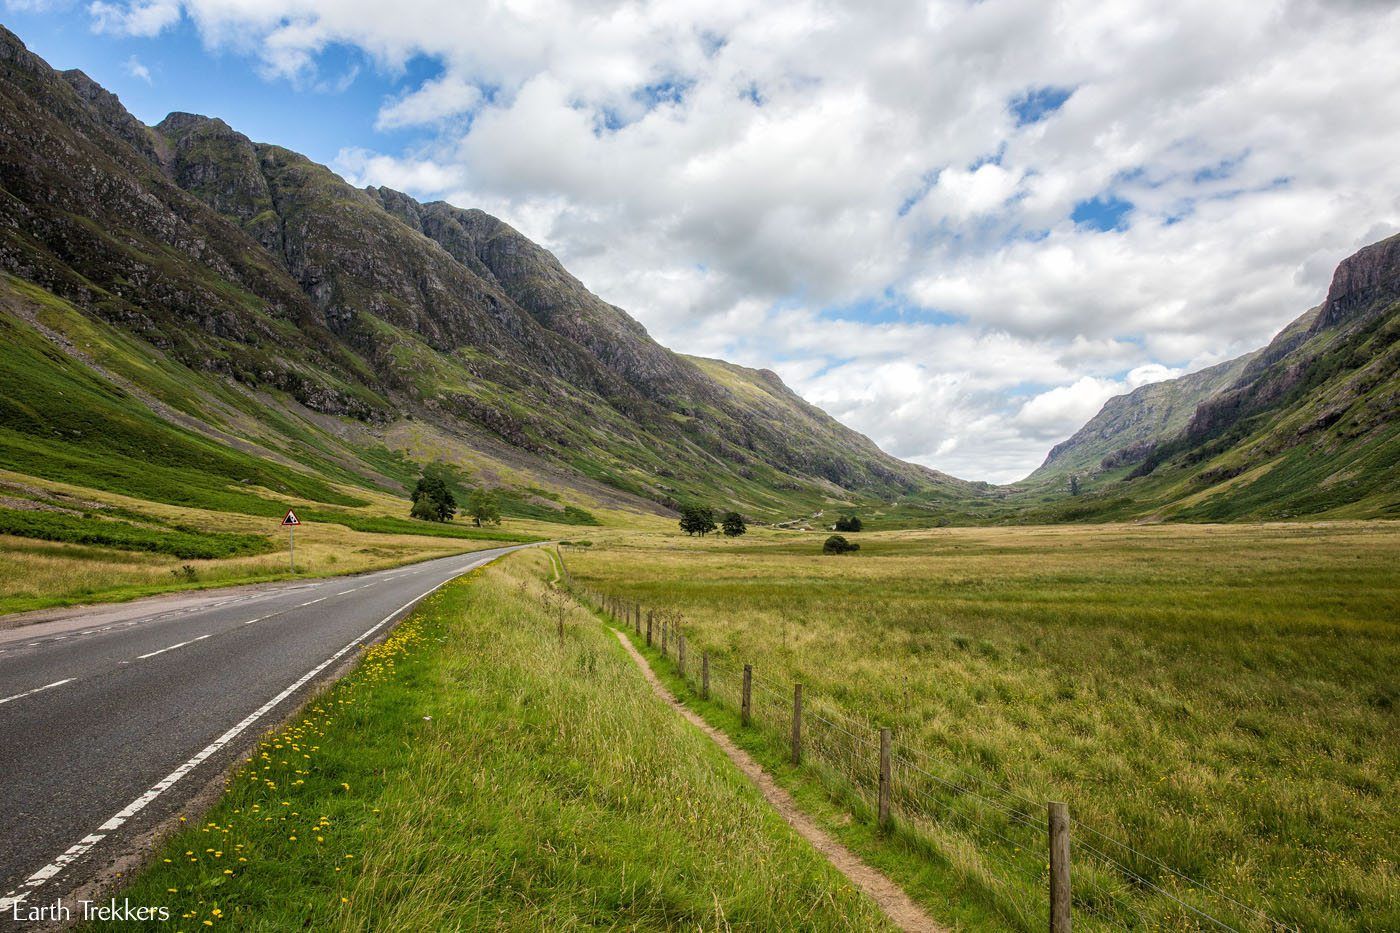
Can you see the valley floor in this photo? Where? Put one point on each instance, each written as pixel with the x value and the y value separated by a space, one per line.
pixel 1217 704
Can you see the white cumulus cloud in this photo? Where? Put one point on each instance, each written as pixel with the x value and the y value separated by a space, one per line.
pixel 845 193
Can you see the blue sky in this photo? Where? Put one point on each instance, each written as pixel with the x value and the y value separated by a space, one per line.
pixel 318 116
pixel 959 227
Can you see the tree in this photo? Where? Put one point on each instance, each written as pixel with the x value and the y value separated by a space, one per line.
pixel 1073 484
pixel 733 525
pixel 483 507
pixel 848 523
pixel 837 544
pixel 425 508
pixel 440 505
pixel 697 520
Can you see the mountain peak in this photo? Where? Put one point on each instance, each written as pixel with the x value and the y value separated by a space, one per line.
pixel 1364 281
pixel 178 123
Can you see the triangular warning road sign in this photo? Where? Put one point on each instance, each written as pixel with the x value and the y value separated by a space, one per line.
pixel 290 518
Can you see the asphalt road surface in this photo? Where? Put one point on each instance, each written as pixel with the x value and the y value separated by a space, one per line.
pixel 112 718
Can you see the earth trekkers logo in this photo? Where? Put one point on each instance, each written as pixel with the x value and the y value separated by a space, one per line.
pixel 87 910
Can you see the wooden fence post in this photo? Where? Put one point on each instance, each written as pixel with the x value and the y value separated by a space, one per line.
pixel 797 724
pixel 650 615
pixel 705 676
pixel 885 779
pixel 680 655
pixel 561 631
pixel 1059 868
pixel 637 618
pixel 746 700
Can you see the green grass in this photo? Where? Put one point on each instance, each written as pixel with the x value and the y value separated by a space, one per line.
pixel 548 790
pixel 379 524
pixel 89 529
pixel 62 421
pixel 1223 698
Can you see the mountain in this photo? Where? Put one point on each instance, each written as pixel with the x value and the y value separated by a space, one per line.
pixel 195 318
pixel 1307 426
pixel 219 291
pixel 1128 425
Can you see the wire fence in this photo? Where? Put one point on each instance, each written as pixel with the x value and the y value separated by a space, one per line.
pixel 999 838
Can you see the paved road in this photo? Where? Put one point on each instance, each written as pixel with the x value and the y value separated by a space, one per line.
pixel 111 720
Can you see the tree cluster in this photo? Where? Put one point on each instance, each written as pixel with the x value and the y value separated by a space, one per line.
pixel 433 500
pixel 849 523
pixel 700 520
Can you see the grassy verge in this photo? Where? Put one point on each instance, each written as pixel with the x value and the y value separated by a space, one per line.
pixel 1222 698
pixel 48 574
pixel 473 773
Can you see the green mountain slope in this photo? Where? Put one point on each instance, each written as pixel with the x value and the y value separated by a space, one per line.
pixel 1128 425
pixel 1310 425
pixel 251 299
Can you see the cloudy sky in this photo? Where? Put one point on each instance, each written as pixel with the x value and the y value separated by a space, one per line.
pixel 957 226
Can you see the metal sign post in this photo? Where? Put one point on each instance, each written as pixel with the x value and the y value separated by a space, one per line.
pixel 291 522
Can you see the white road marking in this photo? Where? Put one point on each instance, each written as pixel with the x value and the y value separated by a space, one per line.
pixel 16 897
pixel 142 657
pixel 29 693
pixel 311 602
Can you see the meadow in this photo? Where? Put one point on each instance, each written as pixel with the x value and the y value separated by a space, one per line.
pixel 473 772
pixel 1220 699
pixel 70 544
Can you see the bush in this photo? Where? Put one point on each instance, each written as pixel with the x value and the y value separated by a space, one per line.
pixel 837 544
pixel 849 523
pixel 734 525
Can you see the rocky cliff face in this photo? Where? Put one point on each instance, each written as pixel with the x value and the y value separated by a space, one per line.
pixel 1315 415
pixel 1128 426
pixel 1308 425
pixel 250 261
pixel 1365 282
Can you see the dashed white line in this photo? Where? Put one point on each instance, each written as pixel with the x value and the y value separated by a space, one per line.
pixel 16 897
pixel 152 654
pixel 29 693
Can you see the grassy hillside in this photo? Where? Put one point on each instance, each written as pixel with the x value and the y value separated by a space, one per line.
pixel 474 773
pixel 277 310
pixel 111 487
pixel 1306 427
pixel 1132 422
pixel 1221 698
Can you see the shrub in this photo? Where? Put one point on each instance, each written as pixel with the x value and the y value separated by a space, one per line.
pixel 849 523
pixel 837 544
